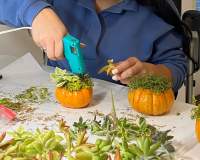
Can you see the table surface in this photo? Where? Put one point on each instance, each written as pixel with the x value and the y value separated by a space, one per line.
pixel 26 72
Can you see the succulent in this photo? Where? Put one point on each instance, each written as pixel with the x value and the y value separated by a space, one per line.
pixel 71 81
pixel 108 68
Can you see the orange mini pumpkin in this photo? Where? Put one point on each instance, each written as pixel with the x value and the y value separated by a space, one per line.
pixel 72 91
pixel 196 117
pixel 74 99
pixel 151 95
pixel 197 129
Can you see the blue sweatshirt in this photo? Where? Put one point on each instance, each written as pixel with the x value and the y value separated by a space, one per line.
pixel 124 30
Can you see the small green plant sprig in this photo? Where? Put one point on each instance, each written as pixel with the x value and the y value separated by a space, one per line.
pixel 195 113
pixel 155 83
pixel 33 95
pixel 70 81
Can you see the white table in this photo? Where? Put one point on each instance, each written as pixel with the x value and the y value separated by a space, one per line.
pixel 25 72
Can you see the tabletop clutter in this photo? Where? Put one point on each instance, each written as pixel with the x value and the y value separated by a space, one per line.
pixel 84 133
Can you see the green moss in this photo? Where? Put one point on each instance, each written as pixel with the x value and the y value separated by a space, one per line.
pixel 196 113
pixel 70 81
pixel 153 82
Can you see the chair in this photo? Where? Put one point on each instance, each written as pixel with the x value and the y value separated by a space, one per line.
pixel 192 19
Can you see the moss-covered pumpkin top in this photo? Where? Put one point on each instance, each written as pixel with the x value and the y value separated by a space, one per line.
pixel 196 113
pixel 154 83
pixel 70 81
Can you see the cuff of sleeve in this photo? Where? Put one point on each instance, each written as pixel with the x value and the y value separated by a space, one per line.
pixel 31 12
pixel 177 78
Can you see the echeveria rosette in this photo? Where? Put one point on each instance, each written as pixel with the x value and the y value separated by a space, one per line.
pixel 71 81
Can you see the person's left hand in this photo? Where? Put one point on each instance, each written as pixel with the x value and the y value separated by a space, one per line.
pixel 127 69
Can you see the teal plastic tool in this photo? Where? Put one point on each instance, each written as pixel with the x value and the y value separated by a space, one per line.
pixel 72 52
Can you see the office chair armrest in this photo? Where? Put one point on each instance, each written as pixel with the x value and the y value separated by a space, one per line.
pixel 192 19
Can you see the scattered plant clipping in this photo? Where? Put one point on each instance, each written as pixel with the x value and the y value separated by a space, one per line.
pixel 22 102
pixel 15 106
pixel 33 95
pixel 115 138
pixel 24 112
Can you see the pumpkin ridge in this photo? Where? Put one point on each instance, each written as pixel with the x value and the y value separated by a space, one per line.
pixel 138 100
pixel 167 101
pixel 197 129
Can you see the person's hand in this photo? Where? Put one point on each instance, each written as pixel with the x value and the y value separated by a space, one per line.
pixel 126 69
pixel 48 32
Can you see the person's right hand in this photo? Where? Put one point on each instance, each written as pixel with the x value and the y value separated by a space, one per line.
pixel 48 32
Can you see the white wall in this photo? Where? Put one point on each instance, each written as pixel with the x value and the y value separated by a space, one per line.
pixel 188 4
pixel 14 45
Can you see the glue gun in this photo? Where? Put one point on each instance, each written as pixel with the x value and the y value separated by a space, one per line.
pixel 73 55
pixel 72 51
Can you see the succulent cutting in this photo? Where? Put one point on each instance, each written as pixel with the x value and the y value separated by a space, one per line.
pixel 108 68
pixel 115 138
pixel 74 91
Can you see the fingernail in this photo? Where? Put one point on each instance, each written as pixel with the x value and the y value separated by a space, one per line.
pixel 114 78
pixel 114 71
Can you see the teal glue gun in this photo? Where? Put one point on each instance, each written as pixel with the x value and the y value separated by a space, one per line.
pixel 72 52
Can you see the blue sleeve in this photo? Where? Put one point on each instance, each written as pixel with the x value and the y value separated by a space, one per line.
pixel 168 51
pixel 19 13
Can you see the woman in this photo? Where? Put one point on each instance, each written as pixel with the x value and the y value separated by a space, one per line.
pixel 135 33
